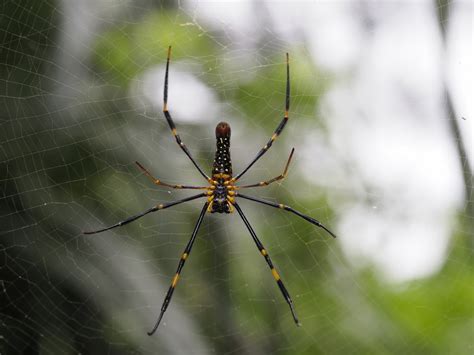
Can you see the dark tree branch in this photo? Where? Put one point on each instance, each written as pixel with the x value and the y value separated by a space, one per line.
pixel 443 8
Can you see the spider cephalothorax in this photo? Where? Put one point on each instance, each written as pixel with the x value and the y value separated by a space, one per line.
pixel 221 192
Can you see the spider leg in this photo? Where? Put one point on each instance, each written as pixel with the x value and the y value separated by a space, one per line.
pixel 170 120
pixel 289 209
pixel 275 274
pixel 280 127
pixel 268 182
pixel 185 255
pixel 162 183
pixel 161 206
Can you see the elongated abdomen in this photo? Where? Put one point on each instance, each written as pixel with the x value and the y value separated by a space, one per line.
pixel 222 163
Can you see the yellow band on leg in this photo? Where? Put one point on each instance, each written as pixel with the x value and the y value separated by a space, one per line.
pixel 175 280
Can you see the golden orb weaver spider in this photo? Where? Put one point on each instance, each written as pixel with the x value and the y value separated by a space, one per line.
pixel 221 193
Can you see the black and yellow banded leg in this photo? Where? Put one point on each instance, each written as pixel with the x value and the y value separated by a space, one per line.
pixel 289 209
pixel 161 206
pixel 183 259
pixel 275 273
pixel 162 183
pixel 171 122
pixel 280 127
pixel 268 182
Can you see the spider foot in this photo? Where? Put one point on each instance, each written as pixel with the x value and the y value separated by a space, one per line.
pixel 293 312
pixel 327 230
pixel 156 324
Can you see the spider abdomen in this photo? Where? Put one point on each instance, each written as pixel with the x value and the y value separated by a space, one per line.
pixel 221 198
pixel 222 163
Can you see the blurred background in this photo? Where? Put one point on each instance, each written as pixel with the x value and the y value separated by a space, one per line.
pixel 381 122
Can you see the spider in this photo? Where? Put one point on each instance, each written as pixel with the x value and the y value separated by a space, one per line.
pixel 222 192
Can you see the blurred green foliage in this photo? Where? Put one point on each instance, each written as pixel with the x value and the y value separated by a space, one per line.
pixel 124 52
pixel 228 290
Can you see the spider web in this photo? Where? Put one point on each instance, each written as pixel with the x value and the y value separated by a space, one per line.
pixel 381 122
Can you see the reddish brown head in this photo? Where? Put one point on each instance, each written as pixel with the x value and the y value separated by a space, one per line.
pixel 222 130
